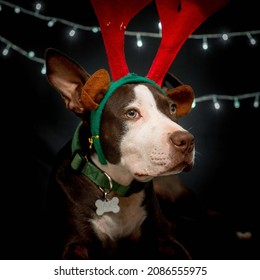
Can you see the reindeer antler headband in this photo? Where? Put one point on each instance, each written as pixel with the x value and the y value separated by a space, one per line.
pixel 179 18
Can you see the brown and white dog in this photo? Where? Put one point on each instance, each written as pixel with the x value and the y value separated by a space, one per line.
pixel 142 142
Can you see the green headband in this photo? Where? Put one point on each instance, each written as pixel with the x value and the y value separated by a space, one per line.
pixel 95 117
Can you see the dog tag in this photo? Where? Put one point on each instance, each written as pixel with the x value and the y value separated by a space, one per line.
pixel 104 206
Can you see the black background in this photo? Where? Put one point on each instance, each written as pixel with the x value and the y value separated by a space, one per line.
pixel 35 123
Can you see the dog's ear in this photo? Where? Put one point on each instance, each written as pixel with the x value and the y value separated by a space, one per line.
pixel 79 90
pixel 94 89
pixel 183 97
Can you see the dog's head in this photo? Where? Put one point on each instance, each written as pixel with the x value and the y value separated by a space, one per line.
pixel 133 121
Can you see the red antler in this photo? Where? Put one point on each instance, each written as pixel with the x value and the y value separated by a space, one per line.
pixel 178 22
pixel 114 16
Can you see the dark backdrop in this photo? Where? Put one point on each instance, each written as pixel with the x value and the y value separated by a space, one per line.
pixel 35 123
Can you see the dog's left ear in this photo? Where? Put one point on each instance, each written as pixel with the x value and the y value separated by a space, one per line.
pixel 80 91
pixel 182 95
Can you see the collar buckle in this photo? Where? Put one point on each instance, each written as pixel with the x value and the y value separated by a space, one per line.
pixel 78 161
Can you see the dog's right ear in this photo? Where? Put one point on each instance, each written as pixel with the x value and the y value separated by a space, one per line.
pixel 182 95
pixel 80 90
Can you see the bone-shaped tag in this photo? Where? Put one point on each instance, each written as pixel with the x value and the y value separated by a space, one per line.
pixel 106 205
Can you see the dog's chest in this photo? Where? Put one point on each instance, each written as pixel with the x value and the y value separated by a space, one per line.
pixel 126 223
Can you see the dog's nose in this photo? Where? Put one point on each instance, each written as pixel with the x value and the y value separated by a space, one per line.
pixel 182 141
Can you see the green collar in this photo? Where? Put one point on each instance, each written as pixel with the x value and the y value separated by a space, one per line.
pixel 80 163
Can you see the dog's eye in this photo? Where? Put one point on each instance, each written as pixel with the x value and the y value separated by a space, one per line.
pixel 173 108
pixel 132 114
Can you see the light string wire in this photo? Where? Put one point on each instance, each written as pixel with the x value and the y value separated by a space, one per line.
pixel 28 54
pixel 211 97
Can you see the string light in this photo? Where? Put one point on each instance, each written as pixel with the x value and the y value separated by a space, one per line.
pixel 194 103
pixel 216 103
pixel 52 20
pixel 73 31
pixel 6 50
pixel 251 39
pixel 205 43
pixel 139 42
pixel 43 70
pixel 17 10
pixel 160 28
pixel 95 29
pixel 28 54
pixel 236 102
pixel 225 36
pixel 256 102
pixel 38 7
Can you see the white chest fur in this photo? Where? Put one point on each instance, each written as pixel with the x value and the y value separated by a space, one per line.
pixel 126 223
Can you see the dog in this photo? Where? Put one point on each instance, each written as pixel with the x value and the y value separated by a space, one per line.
pixel 102 202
